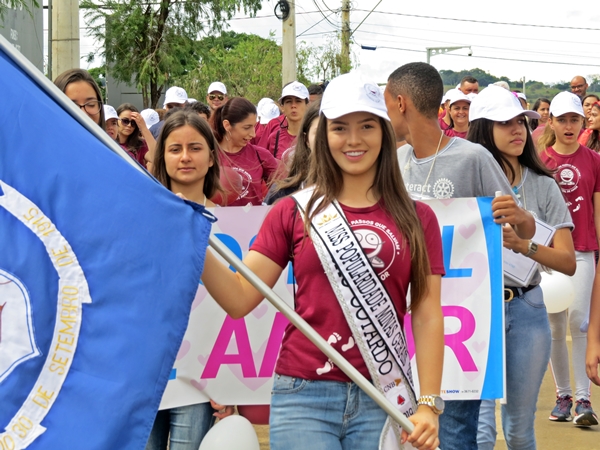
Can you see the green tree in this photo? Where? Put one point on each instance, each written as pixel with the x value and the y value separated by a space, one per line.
pixel 99 75
pixel 151 42
pixel 27 5
pixel 323 62
pixel 249 65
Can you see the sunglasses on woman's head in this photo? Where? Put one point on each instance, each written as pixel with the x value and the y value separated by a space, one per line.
pixel 215 96
pixel 128 122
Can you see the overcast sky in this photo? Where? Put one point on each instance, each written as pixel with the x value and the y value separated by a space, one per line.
pixel 529 39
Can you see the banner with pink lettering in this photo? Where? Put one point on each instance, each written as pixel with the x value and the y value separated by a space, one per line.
pixel 232 361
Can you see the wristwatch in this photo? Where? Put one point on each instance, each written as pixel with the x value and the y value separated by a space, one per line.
pixel 435 402
pixel 532 248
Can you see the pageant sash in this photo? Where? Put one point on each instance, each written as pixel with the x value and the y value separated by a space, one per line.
pixel 368 308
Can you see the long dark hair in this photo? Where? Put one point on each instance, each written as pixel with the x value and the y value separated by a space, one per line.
pixel 235 111
pixel 481 132
pixel 177 120
pixel 75 75
pixel 326 176
pixel 594 139
pixel 134 141
pixel 534 123
pixel 299 167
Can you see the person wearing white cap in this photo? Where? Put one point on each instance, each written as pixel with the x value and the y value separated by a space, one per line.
pixel 111 119
pixel 150 116
pixel 578 175
pixel 355 180
pixel 458 114
pixel 434 165
pixel 293 101
pixel 498 122
pixel 175 97
pixel 216 95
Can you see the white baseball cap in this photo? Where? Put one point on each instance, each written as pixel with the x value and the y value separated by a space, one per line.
pixel 454 95
pixel 497 104
pixel 566 102
pixel 175 94
pixel 150 117
pixel 268 112
pixel 294 89
pixel 350 93
pixel 262 102
pixel 110 112
pixel 521 95
pixel 217 86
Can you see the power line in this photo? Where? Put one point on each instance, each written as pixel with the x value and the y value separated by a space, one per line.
pixel 474 34
pixel 324 16
pixel 496 58
pixel 314 25
pixel 479 46
pixel 482 21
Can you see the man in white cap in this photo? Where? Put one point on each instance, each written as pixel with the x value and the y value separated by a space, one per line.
pixel 111 119
pixel 175 97
pixel 293 101
pixel 216 95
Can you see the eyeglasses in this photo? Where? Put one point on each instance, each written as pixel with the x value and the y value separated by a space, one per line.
pixel 91 107
pixel 128 122
pixel 215 96
pixel 578 87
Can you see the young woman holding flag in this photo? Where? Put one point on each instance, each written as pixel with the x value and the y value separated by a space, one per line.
pixel 356 240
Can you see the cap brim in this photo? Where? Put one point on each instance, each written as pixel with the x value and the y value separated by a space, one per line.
pixel 336 113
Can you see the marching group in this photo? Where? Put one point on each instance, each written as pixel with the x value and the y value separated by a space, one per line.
pixel 333 160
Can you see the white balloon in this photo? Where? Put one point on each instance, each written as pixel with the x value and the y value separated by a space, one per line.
pixel 231 433
pixel 559 291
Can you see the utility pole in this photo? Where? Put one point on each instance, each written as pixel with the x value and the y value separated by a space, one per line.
pixel 345 36
pixel 65 36
pixel 288 45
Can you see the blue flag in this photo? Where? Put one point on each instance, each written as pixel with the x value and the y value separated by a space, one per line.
pixel 99 265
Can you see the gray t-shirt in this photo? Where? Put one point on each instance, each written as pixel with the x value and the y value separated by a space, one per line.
pixel 541 196
pixel 460 169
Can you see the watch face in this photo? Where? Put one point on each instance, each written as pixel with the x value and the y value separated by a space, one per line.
pixel 438 402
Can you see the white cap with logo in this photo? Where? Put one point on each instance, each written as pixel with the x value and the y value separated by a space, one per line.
pixel 497 104
pixel 566 102
pixel 294 89
pixel 175 94
pixel 351 93
pixel 454 95
pixel 150 117
pixel 110 112
pixel 217 86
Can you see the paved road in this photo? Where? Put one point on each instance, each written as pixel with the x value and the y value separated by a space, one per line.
pixel 550 435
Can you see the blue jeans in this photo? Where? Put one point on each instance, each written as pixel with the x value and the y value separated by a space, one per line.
pixel 323 415
pixel 458 425
pixel 527 354
pixel 183 428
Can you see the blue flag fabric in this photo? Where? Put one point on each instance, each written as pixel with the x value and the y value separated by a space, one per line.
pixel 99 265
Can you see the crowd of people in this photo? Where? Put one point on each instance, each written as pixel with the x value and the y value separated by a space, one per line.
pixel 365 153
